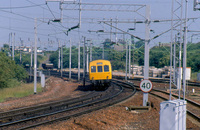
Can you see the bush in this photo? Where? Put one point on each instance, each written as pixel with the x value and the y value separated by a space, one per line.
pixel 10 73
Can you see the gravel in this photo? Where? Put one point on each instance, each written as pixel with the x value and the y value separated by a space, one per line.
pixel 114 117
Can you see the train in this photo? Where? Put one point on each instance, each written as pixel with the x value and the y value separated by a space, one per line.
pixel 100 73
pixel 47 65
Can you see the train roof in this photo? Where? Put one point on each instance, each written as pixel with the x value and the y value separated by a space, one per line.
pixel 48 63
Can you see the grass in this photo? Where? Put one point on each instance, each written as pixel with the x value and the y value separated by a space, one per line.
pixel 19 91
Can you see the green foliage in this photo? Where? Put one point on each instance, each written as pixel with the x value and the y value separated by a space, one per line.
pixel 54 59
pixel 108 43
pixel 193 57
pixel 6 49
pixel 139 56
pixel 159 56
pixel 118 65
pixel 6 46
pixel 10 73
pixel 97 53
pixel 20 73
pixel 139 44
pixel 26 58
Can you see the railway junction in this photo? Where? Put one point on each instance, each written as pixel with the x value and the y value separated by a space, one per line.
pixel 116 116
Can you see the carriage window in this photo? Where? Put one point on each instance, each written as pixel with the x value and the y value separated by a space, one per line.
pixel 106 68
pixel 99 68
pixel 93 68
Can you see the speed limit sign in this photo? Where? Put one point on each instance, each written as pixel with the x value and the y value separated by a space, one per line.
pixel 146 85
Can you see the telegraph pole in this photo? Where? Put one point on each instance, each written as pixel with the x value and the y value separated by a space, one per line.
pixel 90 51
pixel 20 56
pixel 61 60
pixel 13 45
pixel 30 66
pixel 111 30
pixel 70 58
pixel 31 55
pixel 126 60
pixel 58 55
pixel 79 42
pixel 129 68
pixel 79 61
pixel 132 41
pixel 146 54
pixel 185 51
pixel 87 62
pixel 103 51
pixel 35 58
pixel 79 13
pixel 84 63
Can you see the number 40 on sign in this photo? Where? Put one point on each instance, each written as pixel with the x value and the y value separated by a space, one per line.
pixel 146 85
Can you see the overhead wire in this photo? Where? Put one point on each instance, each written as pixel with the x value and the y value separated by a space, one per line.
pixel 45 8
pixel 50 11
pixel 27 17
pixel 2 16
pixel 17 14
pixel 20 7
pixel 25 31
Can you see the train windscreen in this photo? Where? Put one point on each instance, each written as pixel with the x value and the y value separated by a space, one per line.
pixel 93 68
pixel 99 68
pixel 106 68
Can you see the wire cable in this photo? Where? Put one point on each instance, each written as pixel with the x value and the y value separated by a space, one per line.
pixel 21 7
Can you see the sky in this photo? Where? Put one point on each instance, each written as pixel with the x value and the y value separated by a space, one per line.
pixel 18 17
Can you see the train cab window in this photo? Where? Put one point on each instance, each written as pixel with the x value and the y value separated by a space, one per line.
pixel 99 68
pixel 106 68
pixel 93 68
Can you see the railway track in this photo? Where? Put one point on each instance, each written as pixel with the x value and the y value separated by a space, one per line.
pixel 158 80
pixel 29 117
pixel 192 106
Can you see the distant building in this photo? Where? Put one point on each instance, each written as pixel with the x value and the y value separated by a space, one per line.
pixel 153 72
pixel 28 49
pixel 120 46
pixel 164 44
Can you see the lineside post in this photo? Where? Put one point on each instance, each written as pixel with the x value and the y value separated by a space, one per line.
pixel 84 63
pixel 35 58
pixel 146 55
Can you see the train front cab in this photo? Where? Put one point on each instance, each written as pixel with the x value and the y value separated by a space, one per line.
pixel 100 72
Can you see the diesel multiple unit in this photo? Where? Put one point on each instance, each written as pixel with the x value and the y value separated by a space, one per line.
pixel 100 72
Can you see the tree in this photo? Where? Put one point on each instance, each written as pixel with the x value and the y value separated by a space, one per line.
pixel 139 44
pixel 159 56
pixel 10 73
